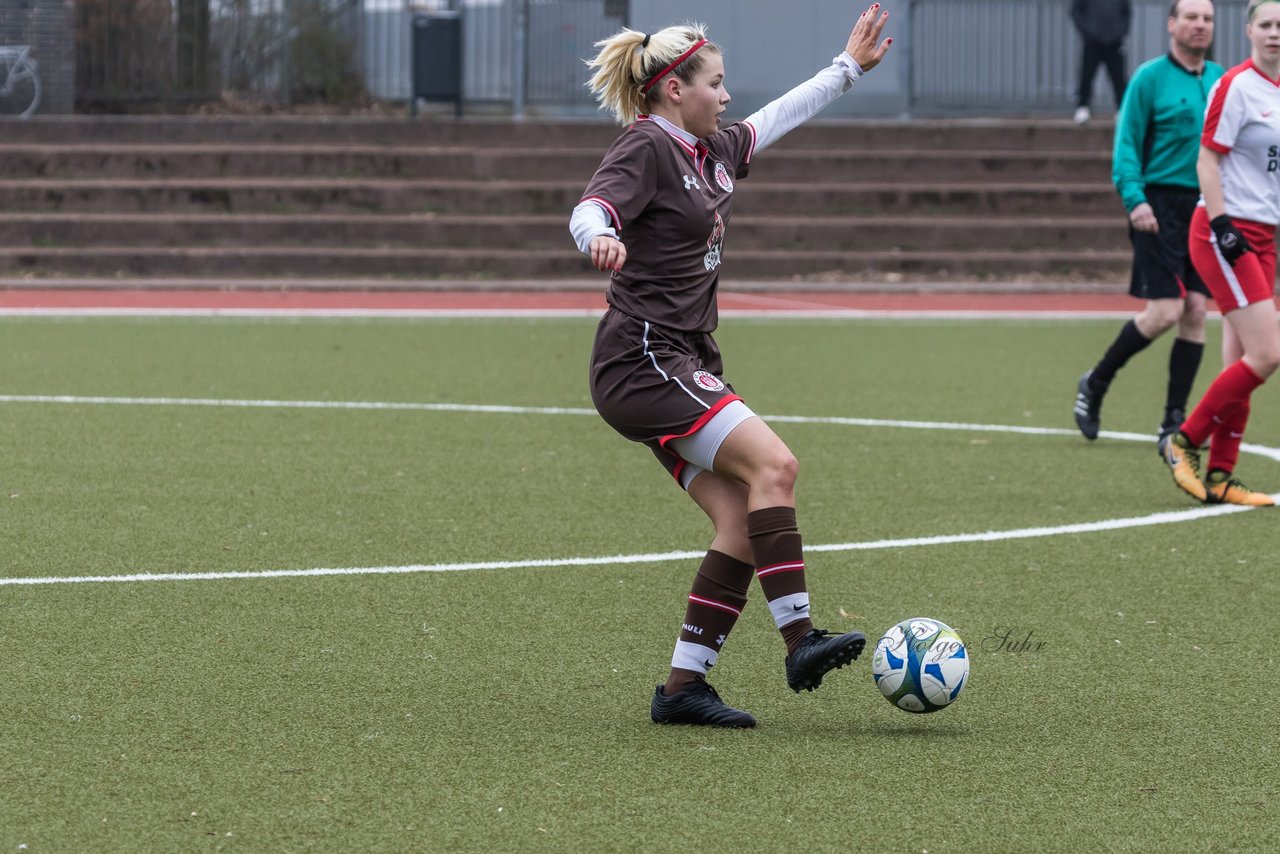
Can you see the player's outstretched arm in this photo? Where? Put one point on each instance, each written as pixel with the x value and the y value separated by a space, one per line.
pixel 863 51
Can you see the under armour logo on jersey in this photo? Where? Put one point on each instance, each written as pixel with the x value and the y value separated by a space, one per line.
pixel 691 183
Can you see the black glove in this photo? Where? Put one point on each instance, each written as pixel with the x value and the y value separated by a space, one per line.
pixel 1231 242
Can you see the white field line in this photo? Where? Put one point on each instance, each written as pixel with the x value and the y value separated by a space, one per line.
pixel 290 404
pixel 614 560
pixel 617 560
pixel 233 403
pixel 499 313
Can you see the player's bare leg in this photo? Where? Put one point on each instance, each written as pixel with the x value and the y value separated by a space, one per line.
pixel 754 455
pixel 1223 412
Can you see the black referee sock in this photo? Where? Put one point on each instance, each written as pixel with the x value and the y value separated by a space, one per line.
pixel 1184 361
pixel 1127 344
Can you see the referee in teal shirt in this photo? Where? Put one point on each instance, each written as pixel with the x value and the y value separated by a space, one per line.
pixel 1153 166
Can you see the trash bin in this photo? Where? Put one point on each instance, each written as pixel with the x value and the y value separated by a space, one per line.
pixel 437 58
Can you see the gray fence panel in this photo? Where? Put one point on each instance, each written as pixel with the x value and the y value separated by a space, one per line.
pixel 388 43
pixel 1006 55
pixel 1230 44
pixel 486 49
pixel 1022 56
pixel 487 37
pixel 562 33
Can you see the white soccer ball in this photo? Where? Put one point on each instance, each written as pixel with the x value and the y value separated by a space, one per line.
pixel 920 665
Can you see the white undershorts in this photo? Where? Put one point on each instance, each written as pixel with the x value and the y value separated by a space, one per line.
pixel 699 449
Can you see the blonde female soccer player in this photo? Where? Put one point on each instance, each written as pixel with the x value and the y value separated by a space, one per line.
pixel 656 215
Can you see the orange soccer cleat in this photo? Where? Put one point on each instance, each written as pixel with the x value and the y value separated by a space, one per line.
pixel 1184 460
pixel 1222 488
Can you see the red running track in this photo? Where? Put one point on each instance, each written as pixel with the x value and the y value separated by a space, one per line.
pixel 313 300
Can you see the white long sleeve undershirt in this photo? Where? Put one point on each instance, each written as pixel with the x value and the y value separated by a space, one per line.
pixel 776 118
pixel 771 122
pixel 589 220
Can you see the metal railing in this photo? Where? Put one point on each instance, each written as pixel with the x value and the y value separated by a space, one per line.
pixel 176 51
pixel 552 36
pixel 290 50
pixel 963 57
pixel 179 51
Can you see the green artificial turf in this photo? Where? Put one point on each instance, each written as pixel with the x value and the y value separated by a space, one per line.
pixel 1118 696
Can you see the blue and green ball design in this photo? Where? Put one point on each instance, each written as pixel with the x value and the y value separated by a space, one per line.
pixel 920 665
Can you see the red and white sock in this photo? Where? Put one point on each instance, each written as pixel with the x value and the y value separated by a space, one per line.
pixel 716 601
pixel 1232 388
pixel 1228 433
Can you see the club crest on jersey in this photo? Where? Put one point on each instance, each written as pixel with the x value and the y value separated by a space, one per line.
pixel 709 381
pixel 723 179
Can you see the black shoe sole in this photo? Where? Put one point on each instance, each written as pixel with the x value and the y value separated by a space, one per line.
pixel 701 713
pixel 738 724
pixel 834 661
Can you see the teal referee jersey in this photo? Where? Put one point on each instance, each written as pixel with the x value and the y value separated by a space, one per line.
pixel 1158 128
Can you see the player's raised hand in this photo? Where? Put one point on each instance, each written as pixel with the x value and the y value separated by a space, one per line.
pixel 864 42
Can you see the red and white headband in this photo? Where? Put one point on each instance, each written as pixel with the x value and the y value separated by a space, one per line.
pixel 679 59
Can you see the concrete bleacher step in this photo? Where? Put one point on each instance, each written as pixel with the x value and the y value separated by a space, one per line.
pixel 535 231
pixel 356 196
pixel 519 264
pixel 148 162
pixel 853 135
pixel 391 200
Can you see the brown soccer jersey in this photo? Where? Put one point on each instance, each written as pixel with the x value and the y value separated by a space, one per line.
pixel 670 202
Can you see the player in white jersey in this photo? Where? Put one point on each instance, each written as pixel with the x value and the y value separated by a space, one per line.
pixel 1233 246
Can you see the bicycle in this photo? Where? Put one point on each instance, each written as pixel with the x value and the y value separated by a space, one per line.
pixel 20 91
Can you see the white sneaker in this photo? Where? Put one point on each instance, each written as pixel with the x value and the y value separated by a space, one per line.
pixel 1082 115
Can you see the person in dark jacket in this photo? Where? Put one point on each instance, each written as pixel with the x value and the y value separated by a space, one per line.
pixel 1103 27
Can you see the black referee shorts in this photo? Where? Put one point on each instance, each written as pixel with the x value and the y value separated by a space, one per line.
pixel 1162 266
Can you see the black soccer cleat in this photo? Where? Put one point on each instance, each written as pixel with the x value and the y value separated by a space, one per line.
pixel 698 704
pixel 818 653
pixel 1088 408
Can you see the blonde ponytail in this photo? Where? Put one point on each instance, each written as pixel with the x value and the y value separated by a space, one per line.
pixel 629 60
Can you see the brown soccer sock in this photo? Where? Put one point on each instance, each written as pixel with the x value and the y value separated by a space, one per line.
pixel 779 555
pixel 716 601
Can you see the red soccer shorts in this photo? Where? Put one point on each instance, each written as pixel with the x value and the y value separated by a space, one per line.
pixel 1253 277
